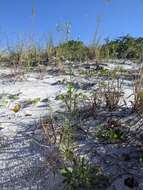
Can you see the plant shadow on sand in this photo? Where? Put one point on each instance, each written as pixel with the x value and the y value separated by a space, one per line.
pixel 23 162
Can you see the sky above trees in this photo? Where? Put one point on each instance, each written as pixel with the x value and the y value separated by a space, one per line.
pixel 39 18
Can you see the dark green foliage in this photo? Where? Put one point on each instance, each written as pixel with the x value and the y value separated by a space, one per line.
pixel 83 176
pixel 115 134
pixel 112 135
pixel 72 50
pixel 125 47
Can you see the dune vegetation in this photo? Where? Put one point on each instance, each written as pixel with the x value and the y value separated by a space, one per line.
pixel 71 114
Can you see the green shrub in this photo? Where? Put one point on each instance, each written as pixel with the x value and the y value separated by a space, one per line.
pixel 72 50
pixel 125 47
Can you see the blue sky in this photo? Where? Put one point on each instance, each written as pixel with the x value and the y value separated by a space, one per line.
pixel 117 17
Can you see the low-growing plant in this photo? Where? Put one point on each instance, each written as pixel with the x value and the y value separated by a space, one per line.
pixel 82 175
pixel 104 72
pixel 115 134
pixel 112 135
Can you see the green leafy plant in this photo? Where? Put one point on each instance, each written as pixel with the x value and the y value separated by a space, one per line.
pixel 111 135
pixel 83 176
pixel 71 99
pixel 125 47
pixel 72 50
pixel 115 134
pixel 104 72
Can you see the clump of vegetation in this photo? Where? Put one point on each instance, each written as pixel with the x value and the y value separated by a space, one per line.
pixel 78 173
pixel 113 132
pixel 125 47
pixel 82 175
pixel 112 135
pixel 72 50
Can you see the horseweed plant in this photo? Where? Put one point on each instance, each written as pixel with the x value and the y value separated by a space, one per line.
pixel 78 173
pixel 81 175
pixel 71 99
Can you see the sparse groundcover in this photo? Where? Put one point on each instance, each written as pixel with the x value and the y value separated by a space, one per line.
pixel 112 132
pixel 72 127
pixel 64 132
